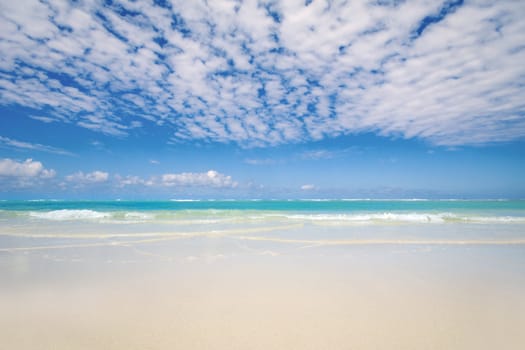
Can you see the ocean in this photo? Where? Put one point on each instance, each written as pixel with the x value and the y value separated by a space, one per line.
pixel 259 274
pixel 446 221
pixel 359 211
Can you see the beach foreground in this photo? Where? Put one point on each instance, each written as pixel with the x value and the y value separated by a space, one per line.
pixel 279 283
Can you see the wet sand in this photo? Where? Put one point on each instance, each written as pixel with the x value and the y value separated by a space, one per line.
pixel 230 293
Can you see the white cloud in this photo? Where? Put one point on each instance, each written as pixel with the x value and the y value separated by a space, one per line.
pixel 308 187
pixel 210 178
pixel 103 125
pixel 264 161
pixel 43 119
pixel 225 71
pixel 28 169
pixel 130 180
pixel 80 177
pixel 318 154
pixel 7 142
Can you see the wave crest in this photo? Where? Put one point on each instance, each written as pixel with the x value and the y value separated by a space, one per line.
pixel 68 214
pixel 208 217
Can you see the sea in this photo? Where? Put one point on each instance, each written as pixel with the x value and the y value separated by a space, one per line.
pixel 499 221
pixel 361 211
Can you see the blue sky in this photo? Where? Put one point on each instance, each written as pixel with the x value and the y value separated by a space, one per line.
pixel 262 99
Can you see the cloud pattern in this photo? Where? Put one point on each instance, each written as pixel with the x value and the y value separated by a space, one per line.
pixel 261 73
pixel 80 177
pixel 6 142
pixel 27 169
pixel 211 178
pixel 15 174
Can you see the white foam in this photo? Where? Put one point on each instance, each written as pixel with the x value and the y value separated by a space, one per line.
pixel 220 216
pixel 430 218
pixel 496 219
pixel 67 214
pixel 392 217
pixel 138 215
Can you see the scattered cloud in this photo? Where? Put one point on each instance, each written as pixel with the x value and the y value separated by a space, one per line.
pixel 80 177
pixel 153 161
pixel 265 161
pixel 131 180
pixel 308 187
pixel 211 178
pixel 101 124
pixel 98 144
pixel 22 145
pixel 267 73
pixel 44 119
pixel 317 154
pixel 17 174
pixel 26 169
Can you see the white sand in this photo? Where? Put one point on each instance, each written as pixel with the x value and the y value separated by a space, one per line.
pixel 262 296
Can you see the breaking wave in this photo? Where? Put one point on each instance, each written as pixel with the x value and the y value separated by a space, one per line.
pixel 67 214
pixel 238 216
pixel 432 218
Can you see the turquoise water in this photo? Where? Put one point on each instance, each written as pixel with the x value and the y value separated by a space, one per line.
pixel 516 206
pixel 348 210
pixel 39 224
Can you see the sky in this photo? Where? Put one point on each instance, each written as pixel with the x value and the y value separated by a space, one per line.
pixel 262 99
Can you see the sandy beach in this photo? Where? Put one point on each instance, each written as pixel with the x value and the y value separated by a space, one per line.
pixel 228 292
